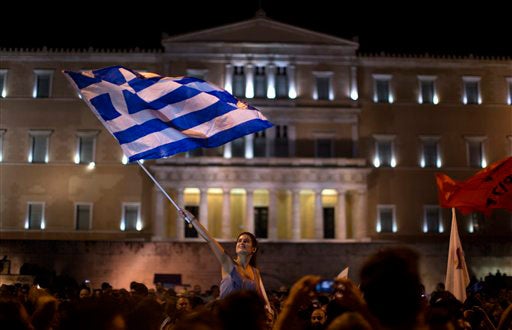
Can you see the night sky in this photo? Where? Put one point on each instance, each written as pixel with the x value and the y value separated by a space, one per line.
pixel 410 27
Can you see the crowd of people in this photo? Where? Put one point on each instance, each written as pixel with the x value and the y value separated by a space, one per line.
pixel 388 295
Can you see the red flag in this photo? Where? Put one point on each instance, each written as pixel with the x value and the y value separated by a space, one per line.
pixel 490 188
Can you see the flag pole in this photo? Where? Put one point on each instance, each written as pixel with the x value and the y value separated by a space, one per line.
pixel 182 212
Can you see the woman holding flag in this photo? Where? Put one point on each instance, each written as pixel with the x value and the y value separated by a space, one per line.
pixel 239 273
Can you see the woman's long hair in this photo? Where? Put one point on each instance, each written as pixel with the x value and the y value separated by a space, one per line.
pixel 254 241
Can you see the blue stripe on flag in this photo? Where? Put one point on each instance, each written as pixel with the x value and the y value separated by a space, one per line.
pixel 181 123
pixel 143 83
pixel 216 140
pixel 104 107
pixel 136 104
pixel 111 74
pixel 80 80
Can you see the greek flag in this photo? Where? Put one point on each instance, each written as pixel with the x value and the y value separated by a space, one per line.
pixel 155 117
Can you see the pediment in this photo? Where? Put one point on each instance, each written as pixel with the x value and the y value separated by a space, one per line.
pixel 260 30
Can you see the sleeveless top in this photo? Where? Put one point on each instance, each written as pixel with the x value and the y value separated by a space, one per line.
pixel 234 281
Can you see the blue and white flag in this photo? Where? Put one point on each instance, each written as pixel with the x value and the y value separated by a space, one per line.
pixel 156 117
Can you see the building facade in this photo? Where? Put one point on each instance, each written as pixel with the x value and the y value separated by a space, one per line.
pixel 352 156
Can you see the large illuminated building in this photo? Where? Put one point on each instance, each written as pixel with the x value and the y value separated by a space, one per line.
pixel 352 156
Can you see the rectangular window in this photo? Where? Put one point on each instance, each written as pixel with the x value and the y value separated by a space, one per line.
pixel 39 145
pixel 281 141
pixel 427 90
pixel 509 85
pixel 385 152
pixel 3 83
pixel 86 147
pixel 190 231
pixel 260 144
pixel 324 148
pixel 432 219
pixel 2 132
pixel 471 90
pixel 281 82
pixel 238 147
pixel 238 81
pixel 382 91
pixel 197 73
pixel 261 221
pixel 131 217
pixel 83 216
pixel 260 82
pixel 430 152
pixel 43 83
pixel 195 153
pixel 35 215
pixel 475 221
pixel 386 221
pixel 475 148
pixel 328 213
pixel 323 87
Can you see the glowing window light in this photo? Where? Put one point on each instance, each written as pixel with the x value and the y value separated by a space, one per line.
pixel 422 162
pixel 292 92
pixel 436 99
pixel 471 228
pixel 393 162
pixel 249 89
pixel 122 226
pixel 376 161
pixel 271 92
pixel 441 226
pixel 43 225
pixel 77 158
pixel 91 165
pixel 438 162
pixel 395 227
pixel 484 163
pixel 378 228
pixel 425 227
pixel 138 226
pixel 354 95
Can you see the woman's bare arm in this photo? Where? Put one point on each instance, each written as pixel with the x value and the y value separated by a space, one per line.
pixel 217 249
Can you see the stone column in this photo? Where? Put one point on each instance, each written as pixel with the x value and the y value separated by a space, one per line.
pixel 227 150
pixel 292 88
pixel 180 223
pixel 341 216
pixel 203 207
pixel 249 146
pixel 360 221
pixel 249 210
pixel 354 93
pixel 272 214
pixel 271 81
pixel 228 78
pixel 319 215
pixel 296 235
pixel 159 218
pixel 226 213
pixel 249 80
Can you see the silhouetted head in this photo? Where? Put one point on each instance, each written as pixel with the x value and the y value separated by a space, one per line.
pixel 391 285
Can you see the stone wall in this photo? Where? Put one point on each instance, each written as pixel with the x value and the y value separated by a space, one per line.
pixel 280 263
